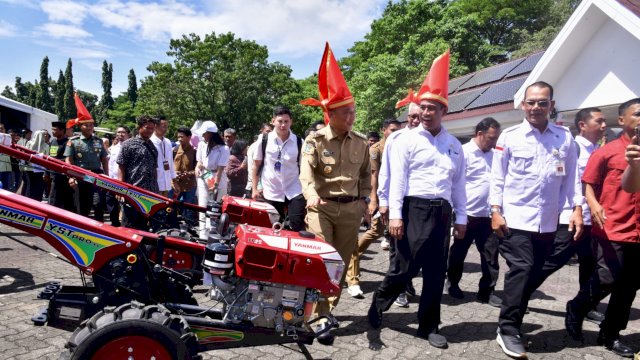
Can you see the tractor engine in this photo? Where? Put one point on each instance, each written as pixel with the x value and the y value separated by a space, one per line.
pixel 271 278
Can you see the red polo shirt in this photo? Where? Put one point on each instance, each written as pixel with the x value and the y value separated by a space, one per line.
pixel 604 172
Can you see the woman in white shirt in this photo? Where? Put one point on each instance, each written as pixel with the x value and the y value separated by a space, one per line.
pixel 212 156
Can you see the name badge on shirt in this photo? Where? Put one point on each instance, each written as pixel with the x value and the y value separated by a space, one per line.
pixel 165 164
pixel 559 167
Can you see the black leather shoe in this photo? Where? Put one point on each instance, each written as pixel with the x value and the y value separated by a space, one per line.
pixel 375 317
pixel 490 299
pixel 573 323
pixel 595 317
pixel 327 337
pixel 615 345
pixel 454 291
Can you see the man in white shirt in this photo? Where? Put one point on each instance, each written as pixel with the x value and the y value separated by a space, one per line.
pixel 532 175
pixel 478 157
pixel 113 206
pixel 426 187
pixel 166 171
pixel 277 168
pixel 264 129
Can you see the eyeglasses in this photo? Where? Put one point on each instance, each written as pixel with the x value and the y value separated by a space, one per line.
pixel 541 103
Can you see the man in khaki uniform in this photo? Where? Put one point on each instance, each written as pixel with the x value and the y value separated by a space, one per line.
pixel 335 173
pixel 377 228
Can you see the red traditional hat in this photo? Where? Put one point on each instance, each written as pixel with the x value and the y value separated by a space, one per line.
pixel 83 114
pixel 435 85
pixel 332 87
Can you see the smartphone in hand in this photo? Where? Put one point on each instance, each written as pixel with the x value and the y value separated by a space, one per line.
pixel 637 132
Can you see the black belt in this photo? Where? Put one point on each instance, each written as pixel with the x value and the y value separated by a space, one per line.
pixel 436 202
pixel 429 202
pixel 343 199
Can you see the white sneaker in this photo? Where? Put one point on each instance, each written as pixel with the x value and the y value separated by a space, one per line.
pixel 355 291
pixel 402 301
pixel 384 245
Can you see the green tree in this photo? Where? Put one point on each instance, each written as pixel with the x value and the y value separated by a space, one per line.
pixel 69 104
pixel 33 93
pixel 218 77
pixel 123 113
pixel 59 91
pixel 132 90
pixel 22 93
pixel 107 79
pixel 44 101
pixel 90 101
pixel 8 93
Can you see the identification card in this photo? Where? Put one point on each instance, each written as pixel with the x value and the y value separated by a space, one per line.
pixel 560 168
pixel 166 165
pixel 277 165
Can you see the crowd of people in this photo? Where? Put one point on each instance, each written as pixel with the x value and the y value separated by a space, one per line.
pixel 531 193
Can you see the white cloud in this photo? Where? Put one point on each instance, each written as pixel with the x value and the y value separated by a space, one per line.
pixel 25 3
pixel 7 29
pixel 59 31
pixel 288 27
pixel 64 11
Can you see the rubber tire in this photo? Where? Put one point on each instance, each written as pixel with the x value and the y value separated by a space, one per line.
pixel 153 321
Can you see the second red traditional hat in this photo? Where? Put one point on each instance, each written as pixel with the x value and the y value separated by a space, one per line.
pixel 435 86
pixel 332 87
pixel 83 114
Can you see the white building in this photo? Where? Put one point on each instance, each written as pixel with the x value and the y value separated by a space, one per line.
pixel 16 115
pixel 594 61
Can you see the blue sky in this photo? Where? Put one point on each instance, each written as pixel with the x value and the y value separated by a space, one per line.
pixel 132 34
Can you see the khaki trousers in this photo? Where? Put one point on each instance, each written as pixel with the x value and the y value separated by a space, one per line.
pixel 374 233
pixel 338 224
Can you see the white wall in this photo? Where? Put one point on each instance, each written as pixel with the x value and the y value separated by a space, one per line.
pixel 605 72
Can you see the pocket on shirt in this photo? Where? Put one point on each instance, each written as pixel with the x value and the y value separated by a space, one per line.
pixel 522 159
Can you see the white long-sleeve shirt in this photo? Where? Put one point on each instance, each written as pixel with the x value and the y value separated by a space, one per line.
pixel 428 167
pixel 114 151
pixel 586 149
pixel 165 155
pixel 478 171
pixel 524 177
pixel 383 174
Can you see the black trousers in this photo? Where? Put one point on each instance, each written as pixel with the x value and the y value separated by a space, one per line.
pixel 526 253
pixel 609 260
pixel 34 185
pixel 61 194
pixel 133 219
pixel 424 245
pixel 624 292
pixel 564 247
pixel 295 211
pixel 478 231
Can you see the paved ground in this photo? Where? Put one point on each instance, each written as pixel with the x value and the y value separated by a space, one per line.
pixel 469 326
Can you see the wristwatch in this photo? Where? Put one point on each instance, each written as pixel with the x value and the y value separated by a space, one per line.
pixel 495 210
pixel 366 199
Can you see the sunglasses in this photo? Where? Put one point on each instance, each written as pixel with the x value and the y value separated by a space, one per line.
pixel 541 103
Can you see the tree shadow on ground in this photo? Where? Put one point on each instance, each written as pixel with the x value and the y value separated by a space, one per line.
pixel 557 340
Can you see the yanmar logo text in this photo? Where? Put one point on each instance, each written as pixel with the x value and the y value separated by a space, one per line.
pixel 307 245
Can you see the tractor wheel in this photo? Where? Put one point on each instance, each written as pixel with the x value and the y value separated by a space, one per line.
pixel 133 331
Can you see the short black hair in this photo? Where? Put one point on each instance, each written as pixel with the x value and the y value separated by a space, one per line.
pixel 59 125
pixel 389 121
pixel 185 130
pixel 238 147
pixel 281 110
pixel 143 120
pixel 315 124
pixel 373 134
pixel 485 124
pixel 625 105
pixel 125 127
pixel 266 125
pixel 540 84
pixel 162 117
pixel 584 115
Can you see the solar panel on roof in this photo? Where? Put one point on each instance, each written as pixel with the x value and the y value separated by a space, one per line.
pixel 527 65
pixel 455 83
pixel 498 93
pixel 490 75
pixel 459 102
